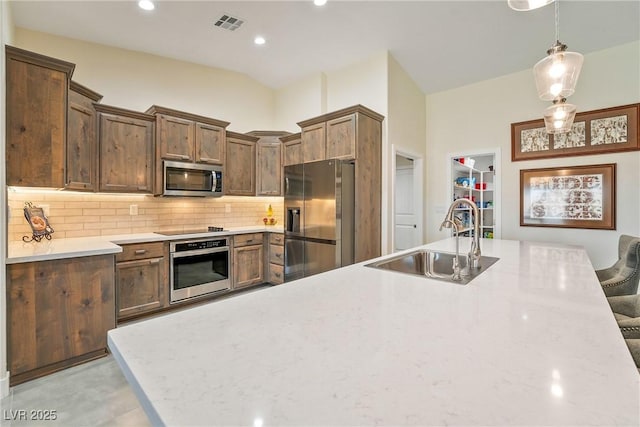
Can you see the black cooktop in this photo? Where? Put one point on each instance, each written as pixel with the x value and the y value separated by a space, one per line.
pixel 195 231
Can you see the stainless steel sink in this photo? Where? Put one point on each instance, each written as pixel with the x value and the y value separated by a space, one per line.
pixel 434 265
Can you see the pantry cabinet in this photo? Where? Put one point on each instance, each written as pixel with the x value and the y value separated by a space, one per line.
pixel 58 314
pixel 81 172
pixel 126 150
pixel 36 118
pixel 240 165
pixel 248 253
pixel 141 279
pixel 353 133
pixel 292 149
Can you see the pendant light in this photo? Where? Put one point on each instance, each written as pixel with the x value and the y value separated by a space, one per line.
pixel 557 74
pixel 559 117
pixel 524 5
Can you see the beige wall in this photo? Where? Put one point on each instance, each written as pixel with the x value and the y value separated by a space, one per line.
pixel 83 215
pixel 137 80
pixel 299 101
pixel 479 116
pixel 406 126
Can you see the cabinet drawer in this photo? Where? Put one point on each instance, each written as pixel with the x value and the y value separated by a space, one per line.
pixel 276 254
pixel 247 239
pixel 141 251
pixel 276 239
pixel 276 274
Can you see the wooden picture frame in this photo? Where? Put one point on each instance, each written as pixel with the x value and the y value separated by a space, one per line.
pixel 569 197
pixel 609 130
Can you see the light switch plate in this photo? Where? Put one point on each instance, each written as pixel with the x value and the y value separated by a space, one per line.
pixel 227 207
pixel 133 210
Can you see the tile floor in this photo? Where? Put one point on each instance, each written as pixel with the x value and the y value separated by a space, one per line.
pixel 92 394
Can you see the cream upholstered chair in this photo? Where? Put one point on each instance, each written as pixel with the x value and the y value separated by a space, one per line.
pixel 622 277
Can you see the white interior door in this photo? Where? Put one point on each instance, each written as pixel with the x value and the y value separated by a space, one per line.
pixel 406 230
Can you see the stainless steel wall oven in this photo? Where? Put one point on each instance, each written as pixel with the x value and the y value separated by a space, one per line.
pixel 199 267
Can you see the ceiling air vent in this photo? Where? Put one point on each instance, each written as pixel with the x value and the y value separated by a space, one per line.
pixel 229 22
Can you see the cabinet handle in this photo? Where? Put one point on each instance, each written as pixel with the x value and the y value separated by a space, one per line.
pixel 278 239
pixel 278 255
pixel 154 261
pixel 249 241
pixel 207 159
pixel 140 251
pixel 178 156
pixel 277 275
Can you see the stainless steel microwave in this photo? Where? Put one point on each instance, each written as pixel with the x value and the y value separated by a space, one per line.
pixel 192 179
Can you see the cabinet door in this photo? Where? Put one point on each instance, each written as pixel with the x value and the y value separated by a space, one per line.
pixel 269 169
pixel 175 137
pixel 140 285
pixel 58 313
pixel 36 102
pixel 292 152
pixel 240 168
pixel 210 141
pixel 126 154
pixel 82 142
pixel 313 143
pixel 341 138
pixel 247 266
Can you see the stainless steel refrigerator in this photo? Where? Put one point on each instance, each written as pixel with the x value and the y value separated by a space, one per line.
pixel 319 217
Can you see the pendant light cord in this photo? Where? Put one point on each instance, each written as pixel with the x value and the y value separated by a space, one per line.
pixel 557 9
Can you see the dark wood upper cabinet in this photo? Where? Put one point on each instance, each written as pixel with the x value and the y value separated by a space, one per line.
pixel 240 165
pixel 126 140
pixel 36 99
pixel 292 149
pixel 175 138
pixel 82 139
pixel 313 142
pixel 210 143
pixel 269 162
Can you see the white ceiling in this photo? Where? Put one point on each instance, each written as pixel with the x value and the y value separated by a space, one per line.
pixel 441 44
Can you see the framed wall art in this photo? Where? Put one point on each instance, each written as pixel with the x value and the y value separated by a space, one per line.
pixel 569 197
pixel 593 132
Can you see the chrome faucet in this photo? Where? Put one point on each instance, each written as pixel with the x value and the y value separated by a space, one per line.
pixel 456 261
pixel 474 252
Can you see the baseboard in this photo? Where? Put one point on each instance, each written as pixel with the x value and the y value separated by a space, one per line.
pixel 4 385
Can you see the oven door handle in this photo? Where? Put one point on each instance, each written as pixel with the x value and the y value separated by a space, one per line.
pixel 199 252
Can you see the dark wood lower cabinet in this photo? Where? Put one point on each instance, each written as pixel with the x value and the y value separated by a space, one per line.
pixel 141 279
pixel 58 314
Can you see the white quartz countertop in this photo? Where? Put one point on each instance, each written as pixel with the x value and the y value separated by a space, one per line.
pixel 531 341
pixel 44 250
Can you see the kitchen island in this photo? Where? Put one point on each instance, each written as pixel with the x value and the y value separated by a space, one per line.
pixel 531 341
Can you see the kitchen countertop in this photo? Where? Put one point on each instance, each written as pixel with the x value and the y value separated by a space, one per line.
pixel 531 341
pixel 45 250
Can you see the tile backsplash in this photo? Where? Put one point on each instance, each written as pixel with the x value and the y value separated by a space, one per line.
pixel 83 215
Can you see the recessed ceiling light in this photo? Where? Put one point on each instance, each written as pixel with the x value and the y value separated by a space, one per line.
pixel 146 5
pixel 259 40
pixel 319 2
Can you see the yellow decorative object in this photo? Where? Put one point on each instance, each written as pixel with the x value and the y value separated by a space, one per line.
pixel 269 211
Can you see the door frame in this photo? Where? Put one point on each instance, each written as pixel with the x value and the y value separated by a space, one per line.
pixel 418 188
pixel 497 185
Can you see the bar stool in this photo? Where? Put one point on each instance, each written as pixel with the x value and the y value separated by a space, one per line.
pixel 623 276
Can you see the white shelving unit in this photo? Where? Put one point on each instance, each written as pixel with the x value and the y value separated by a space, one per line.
pixel 477 184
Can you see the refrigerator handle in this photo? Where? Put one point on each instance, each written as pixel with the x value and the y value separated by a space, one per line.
pixel 286 185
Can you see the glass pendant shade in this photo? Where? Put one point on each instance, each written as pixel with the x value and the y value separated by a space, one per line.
pixel 557 74
pixel 559 117
pixel 524 5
